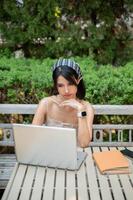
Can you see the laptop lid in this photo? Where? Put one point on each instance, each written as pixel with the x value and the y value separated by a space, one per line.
pixel 47 146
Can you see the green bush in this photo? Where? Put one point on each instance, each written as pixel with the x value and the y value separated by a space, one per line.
pixel 29 80
pixel 4 51
pixel 108 85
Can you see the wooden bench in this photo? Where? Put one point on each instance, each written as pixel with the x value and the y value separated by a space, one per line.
pixel 7 161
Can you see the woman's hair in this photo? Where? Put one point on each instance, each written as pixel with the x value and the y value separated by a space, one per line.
pixel 71 76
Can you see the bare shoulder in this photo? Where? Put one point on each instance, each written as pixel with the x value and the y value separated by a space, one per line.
pixel 45 100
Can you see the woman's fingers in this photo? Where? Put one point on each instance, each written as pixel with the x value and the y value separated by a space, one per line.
pixel 72 103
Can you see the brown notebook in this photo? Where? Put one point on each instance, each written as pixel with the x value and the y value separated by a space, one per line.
pixel 111 162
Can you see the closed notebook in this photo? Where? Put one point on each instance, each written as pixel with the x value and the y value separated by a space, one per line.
pixel 111 162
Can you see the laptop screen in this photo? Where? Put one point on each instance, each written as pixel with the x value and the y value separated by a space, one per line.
pixel 46 146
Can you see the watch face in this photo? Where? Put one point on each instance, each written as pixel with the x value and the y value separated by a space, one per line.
pixel 84 114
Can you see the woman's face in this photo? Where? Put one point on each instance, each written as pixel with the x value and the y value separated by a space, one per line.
pixel 65 88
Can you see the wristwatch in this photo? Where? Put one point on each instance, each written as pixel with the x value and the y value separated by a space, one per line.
pixel 81 114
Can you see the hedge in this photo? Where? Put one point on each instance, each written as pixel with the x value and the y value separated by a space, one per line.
pixel 29 80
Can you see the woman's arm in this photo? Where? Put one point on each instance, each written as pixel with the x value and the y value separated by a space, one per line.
pixel 84 123
pixel 40 114
pixel 85 126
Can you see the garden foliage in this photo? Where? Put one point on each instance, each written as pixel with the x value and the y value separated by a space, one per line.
pixel 29 80
pixel 98 28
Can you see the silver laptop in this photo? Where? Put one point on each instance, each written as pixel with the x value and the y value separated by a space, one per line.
pixel 47 146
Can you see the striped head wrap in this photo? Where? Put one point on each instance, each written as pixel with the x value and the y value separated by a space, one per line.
pixel 69 63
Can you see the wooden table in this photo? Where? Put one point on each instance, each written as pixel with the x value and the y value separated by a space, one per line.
pixel 40 183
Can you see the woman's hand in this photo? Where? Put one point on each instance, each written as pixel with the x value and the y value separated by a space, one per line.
pixel 73 103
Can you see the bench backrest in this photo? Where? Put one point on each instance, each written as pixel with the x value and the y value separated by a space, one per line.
pixel 103 134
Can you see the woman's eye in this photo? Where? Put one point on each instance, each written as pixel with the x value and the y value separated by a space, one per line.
pixel 62 85
pixel 59 85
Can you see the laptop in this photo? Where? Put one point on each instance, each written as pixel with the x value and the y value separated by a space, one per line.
pixel 47 146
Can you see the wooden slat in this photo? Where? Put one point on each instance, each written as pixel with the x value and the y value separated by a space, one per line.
pixel 131 165
pixel 7 163
pixel 70 185
pixel 113 109
pixel 99 109
pixel 82 184
pixel 112 126
pixel 17 182
pixel 27 185
pixel 92 178
pixel 38 186
pixel 128 190
pixel 17 108
pixel 113 144
pixel 49 184
pixel 7 143
pixel 6 125
pixel 9 185
pixel 60 185
pixel 126 185
pixel 5 172
pixel 103 182
pixel 114 181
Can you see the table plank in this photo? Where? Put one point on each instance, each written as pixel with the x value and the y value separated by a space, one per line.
pixel 82 184
pixel 126 185
pixel 7 190
pixel 49 184
pixel 114 182
pixel 103 182
pixel 18 180
pixel 128 190
pixel 91 175
pixel 38 186
pixel 131 165
pixel 27 185
pixel 70 185
pixel 60 185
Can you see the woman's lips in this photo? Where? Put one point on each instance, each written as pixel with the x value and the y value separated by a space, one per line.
pixel 67 95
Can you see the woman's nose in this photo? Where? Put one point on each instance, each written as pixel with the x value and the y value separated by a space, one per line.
pixel 66 89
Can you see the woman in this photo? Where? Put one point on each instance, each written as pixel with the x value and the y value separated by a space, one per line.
pixel 66 107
